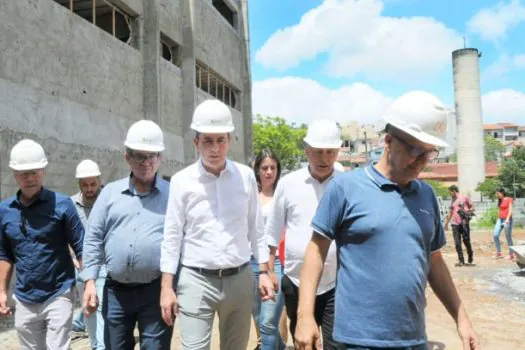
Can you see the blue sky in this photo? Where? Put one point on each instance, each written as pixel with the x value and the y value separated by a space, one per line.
pixel 347 59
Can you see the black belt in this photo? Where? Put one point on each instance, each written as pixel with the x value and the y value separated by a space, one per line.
pixel 115 284
pixel 219 272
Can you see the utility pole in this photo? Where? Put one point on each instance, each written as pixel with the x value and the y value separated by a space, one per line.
pixel 366 147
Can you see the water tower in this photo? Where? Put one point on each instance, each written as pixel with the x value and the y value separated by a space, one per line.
pixel 469 121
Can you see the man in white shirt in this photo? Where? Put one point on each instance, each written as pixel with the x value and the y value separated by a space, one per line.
pixel 295 202
pixel 212 220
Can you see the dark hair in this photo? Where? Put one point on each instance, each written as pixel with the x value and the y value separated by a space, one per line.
pixel 257 164
pixel 502 191
pixel 453 188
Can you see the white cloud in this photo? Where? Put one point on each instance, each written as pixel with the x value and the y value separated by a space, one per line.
pixel 504 105
pixel 360 40
pixel 302 100
pixel 501 68
pixel 494 22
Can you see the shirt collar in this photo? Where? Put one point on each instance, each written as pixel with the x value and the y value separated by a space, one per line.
pixel 383 183
pixel 79 199
pixel 308 178
pixel 43 196
pixel 203 172
pixel 128 187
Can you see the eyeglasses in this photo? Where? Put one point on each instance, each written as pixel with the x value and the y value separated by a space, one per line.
pixel 139 157
pixel 417 152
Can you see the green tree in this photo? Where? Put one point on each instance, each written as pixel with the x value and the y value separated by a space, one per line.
pixel 439 189
pixel 493 149
pixel 284 139
pixel 512 172
pixel 489 187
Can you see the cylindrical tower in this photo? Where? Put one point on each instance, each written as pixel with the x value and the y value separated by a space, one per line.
pixel 469 122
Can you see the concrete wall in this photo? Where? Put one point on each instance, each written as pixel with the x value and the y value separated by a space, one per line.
pixel 217 43
pixel 68 85
pixel 171 19
pixel 76 89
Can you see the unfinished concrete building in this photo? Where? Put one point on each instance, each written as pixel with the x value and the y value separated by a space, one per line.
pixel 75 74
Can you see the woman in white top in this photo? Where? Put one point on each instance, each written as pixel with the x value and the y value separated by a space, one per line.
pixel 266 315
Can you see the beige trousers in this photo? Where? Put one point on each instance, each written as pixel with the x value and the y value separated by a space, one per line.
pixel 47 325
pixel 200 297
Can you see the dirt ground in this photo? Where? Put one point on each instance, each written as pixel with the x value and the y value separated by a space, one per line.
pixel 493 292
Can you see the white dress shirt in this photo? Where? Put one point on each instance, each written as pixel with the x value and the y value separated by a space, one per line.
pixel 294 204
pixel 212 221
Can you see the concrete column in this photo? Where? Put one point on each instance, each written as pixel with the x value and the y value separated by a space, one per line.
pixel 151 49
pixel 246 98
pixel 469 121
pixel 188 79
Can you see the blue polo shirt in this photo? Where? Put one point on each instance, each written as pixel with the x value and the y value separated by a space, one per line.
pixel 37 239
pixel 384 236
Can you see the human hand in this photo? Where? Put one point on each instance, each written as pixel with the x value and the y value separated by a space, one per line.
pixel 307 335
pixel 90 300
pixel 169 305
pixel 468 336
pixel 266 287
pixel 4 309
pixel 275 281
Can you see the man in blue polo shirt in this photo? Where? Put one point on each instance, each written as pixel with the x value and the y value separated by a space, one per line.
pixel 386 225
pixel 37 227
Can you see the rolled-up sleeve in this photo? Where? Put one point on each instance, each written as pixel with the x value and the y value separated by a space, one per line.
pixel 93 257
pixel 74 228
pixel 256 234
pixel 5 248
pixel 276 218
pixel 173 229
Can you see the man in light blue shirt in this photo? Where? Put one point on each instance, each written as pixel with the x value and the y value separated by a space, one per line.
pixel 386 225
pixel 125 232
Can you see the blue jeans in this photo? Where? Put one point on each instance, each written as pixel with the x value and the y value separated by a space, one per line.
pixel 127 305
pixel 508 233
pixel 94 324
pixel 267 314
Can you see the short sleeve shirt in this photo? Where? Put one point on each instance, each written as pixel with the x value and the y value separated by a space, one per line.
pixel 504 207
pixel 384 236
pixel 460 202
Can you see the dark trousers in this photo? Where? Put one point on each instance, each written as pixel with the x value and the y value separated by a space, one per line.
pixel 462 232
pixel 125 306
pixel 324 311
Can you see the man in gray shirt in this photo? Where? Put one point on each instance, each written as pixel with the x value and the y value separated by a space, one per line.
pixel 125 232
pixel 88 176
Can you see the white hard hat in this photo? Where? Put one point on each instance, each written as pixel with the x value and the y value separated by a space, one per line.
pixel 212 117
pixel 339 166
pixel 323 134
pixel 421 115
pixel 87 168
pixel 145 135
pixel 27 155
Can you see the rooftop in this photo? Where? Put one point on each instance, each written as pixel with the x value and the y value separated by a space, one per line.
pixel 449 171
